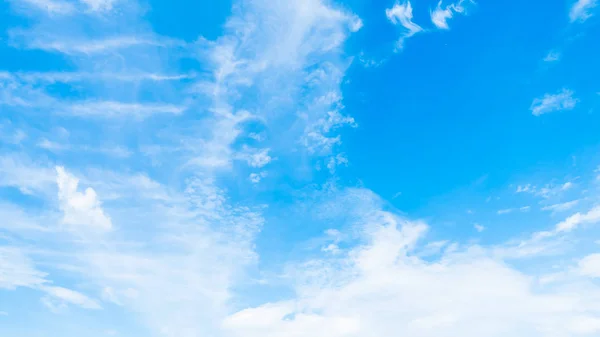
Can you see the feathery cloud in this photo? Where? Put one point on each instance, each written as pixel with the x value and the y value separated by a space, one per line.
pixel 562 100
pixel 402 14
pixel 581 10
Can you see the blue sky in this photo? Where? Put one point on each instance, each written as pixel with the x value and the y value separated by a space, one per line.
pixel 299 168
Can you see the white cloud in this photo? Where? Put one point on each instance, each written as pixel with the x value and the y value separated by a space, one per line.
pixel 380 288
pixel 109 109
pixel 339 159
pixel 577 219
pixel 99 5
pixel 255 178
pixel 81 210
pixel 552 56
pixel 590 266
pixel 581 10
pixel 479 228
pixel 50 6
pixel 17 270
pixel 562 100
pixel 547 191
pixel 28 176
pixel 88 46
pixel 401 13
pixel 75 77
pixel 70 296
pixel 255 158
pixel 440 16
pixel 561 207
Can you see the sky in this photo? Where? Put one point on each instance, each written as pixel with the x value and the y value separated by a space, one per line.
pixel 327 168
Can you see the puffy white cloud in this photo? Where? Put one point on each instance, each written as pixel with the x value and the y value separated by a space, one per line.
pixel 80 210
pixel 381 288
pixel 562 100
pixel 581 10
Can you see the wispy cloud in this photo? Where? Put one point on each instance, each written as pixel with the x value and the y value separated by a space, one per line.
pixel 440 16
pixel 581 10
pixel 510 210
pixel 552 56
pixel 561 207
pixel 111 109
pixel 590 266
pixel 577 219
pixel 88 46
pixel 562 100
pixel 402 14
pixel 69 296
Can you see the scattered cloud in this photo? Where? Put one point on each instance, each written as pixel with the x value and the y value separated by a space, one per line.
pixel 50 6
pixel 577 219
pixel 581 10
pixel 70 296
pixel 402 14
pixel 339 160
pixel 561 207
pixel 552 56
pixel 109 109
pixel 29 176
pixel 590 266
pixel 440 16
pixel 17 270
pixel 479 228
pixel 81 210
pixel 255 178
pixel 88 46
pixel 510 210
pixel 255 158
pixel 562 100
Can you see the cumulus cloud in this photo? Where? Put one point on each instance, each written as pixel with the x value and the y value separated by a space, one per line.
pixel 562 100
pixel 82 210
pixel 380 288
